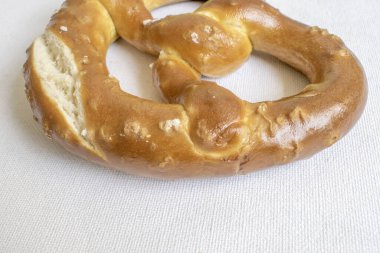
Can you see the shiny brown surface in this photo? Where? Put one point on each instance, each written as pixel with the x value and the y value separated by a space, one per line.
pixel 217 133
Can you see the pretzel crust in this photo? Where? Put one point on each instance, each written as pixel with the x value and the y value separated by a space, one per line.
pixel 204 129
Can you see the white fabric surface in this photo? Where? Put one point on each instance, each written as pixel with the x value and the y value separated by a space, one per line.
pixel 51 201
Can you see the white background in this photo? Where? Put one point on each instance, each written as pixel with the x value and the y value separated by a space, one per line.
pixel 51 201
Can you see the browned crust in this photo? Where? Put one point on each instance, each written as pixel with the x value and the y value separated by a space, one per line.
pixel 129 132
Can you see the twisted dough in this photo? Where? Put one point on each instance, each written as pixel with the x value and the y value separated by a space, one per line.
pixel 204 129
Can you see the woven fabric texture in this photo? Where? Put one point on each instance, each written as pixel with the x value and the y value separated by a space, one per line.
pixel 52 201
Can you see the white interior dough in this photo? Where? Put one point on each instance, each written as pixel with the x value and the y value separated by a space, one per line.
pixel 55 65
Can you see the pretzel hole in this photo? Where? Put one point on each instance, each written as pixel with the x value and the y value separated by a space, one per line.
pixel 268 78
pixel 175 9
pixel 261 78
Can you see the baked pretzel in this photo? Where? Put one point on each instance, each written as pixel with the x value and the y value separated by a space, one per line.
pixel 204 129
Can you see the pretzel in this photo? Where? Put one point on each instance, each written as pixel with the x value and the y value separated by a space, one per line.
pixel 203 129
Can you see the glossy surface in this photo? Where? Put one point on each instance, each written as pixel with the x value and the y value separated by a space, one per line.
pixel 211 131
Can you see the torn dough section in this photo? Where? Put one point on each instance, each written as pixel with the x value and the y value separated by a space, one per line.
pixel 55 65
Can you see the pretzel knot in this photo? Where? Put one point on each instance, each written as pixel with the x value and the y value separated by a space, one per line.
pixel 204 129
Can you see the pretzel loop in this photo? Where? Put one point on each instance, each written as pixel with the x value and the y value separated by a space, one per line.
pixel 204 130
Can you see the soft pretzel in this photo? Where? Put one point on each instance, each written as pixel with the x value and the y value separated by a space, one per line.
pixel 204 129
